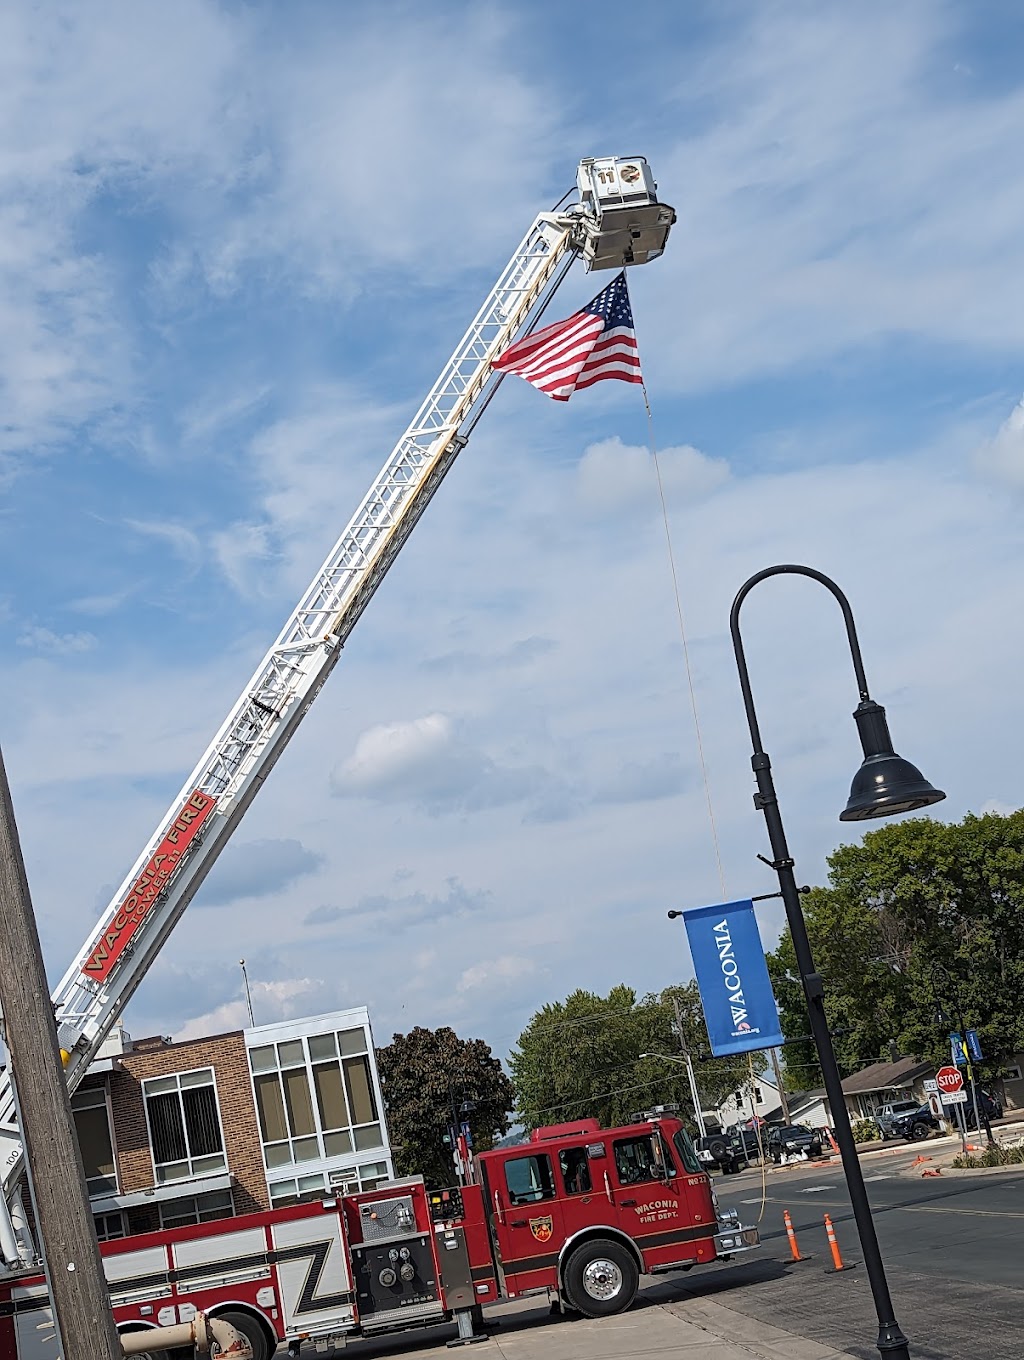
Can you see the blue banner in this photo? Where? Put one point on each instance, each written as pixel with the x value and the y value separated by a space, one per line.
pixel 735 990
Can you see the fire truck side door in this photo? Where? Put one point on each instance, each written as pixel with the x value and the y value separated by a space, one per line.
pixel 527 1220
pixel 583 1177
pixel 651 1192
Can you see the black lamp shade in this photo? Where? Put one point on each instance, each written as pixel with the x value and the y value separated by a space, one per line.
pixel 885 784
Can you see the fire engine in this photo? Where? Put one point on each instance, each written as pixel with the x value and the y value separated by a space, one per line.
pixel 318 1270
pixel 578 1213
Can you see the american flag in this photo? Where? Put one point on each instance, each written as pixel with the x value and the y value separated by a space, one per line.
pixel 595 343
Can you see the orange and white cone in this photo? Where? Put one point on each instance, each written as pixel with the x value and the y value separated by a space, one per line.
pixel 837 1259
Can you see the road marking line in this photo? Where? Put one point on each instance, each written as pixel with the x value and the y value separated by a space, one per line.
pixel 883 1177
pixel 939 1209
pixel 813 1189
pixel 918 1209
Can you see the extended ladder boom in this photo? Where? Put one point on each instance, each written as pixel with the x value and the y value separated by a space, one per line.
pixel 618 221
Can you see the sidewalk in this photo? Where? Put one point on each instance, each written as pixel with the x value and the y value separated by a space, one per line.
pixel 658 1323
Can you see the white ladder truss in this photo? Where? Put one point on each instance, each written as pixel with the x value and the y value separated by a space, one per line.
pixel 292 673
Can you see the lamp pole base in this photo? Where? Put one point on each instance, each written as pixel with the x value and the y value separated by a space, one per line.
pixel 892 1344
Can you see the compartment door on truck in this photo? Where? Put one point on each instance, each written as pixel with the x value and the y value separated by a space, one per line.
pixel 662 1203
pixel 527 1219
pixel 313 1275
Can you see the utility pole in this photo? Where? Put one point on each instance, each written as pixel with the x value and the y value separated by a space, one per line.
pixel 783 1098
pixel 698 1112
pixel 78 1289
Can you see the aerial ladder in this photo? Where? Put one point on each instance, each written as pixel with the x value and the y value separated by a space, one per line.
pixel 616 222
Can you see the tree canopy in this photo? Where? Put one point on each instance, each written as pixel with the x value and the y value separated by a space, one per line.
pixel 580 1058
pixel 922 923
pixel 426 1076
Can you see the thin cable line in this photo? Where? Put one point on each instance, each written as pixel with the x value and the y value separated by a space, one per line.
pixel 682 635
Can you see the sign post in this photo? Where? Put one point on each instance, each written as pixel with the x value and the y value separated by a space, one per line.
pixel 950 1081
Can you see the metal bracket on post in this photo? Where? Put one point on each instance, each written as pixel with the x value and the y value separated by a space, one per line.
pixel 814 986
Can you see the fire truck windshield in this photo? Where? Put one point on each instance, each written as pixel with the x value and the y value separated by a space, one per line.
pixel 686 1151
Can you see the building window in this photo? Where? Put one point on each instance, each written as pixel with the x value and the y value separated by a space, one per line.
pixel 184 1125
pixel 181 1213
pixel 109 1227
pixel 92 1125
pixel 315 1098
pixel 345 1180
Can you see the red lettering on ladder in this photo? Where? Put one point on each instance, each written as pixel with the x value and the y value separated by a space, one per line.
pixel 148 886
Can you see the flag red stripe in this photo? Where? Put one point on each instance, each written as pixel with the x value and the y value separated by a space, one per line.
pixel 562 350
pixel 553 336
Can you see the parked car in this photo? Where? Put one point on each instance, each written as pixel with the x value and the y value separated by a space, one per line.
pixel 917 1124
pixel 716 1151
pixel 885 1114
pixel 790 1138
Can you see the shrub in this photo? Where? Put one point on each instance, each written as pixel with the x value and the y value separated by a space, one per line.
pixel 992 1156
pixel 865 1131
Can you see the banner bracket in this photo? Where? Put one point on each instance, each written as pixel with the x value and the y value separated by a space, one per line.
pixel 777 864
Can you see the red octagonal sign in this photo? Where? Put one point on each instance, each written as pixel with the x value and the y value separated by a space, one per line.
pixel 949 1079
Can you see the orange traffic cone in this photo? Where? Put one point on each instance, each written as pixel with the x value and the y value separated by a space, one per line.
pixel 837 1260
pixel 794 1250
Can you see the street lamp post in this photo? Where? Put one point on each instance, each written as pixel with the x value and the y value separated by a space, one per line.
pixel 687 1062
pixel 884 785
pixel 458 1111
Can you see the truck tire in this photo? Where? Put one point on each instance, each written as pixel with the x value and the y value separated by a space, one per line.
pixel 601 1278
pixel 253 1332
pixel 718 1148
pixel 918 1132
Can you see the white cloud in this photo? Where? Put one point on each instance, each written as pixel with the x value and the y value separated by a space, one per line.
pixel 45 640
pixel 997 806
pixel 282 999
pixel 614 477
pixel 1002 456
pixel 181 540
pixel 496 973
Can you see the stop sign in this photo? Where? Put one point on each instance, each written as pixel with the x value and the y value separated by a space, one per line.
pixel 949 1079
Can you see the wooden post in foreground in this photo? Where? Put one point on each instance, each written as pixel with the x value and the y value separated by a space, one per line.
pixel 78 1290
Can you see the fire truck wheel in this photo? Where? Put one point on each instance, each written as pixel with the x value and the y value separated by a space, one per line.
pixel 601 1278
pixel 252 1331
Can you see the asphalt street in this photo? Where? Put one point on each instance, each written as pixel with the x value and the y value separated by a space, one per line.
pixel 952 1246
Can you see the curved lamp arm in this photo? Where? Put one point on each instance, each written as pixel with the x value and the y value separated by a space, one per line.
pixel 790 569
pixel 885 784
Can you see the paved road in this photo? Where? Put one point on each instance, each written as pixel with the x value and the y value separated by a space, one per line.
pixel 952 1246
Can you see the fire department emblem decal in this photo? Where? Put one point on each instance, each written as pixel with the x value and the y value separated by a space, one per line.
pixel 541 1228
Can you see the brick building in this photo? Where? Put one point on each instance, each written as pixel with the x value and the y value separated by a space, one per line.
pixel 178 1133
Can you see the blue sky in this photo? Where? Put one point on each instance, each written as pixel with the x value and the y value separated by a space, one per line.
pixel 237 244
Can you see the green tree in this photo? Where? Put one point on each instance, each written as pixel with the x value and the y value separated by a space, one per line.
pixel 922 923
pixel 580 1058
pixel 426 1075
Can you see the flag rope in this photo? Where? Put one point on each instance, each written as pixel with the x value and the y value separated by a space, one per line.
pixel 682 636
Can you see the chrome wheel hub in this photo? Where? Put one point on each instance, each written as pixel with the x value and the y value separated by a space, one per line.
pixel 602 1279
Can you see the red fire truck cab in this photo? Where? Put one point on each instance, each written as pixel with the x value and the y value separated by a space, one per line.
pixel 578 1213
pixel 583 1212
